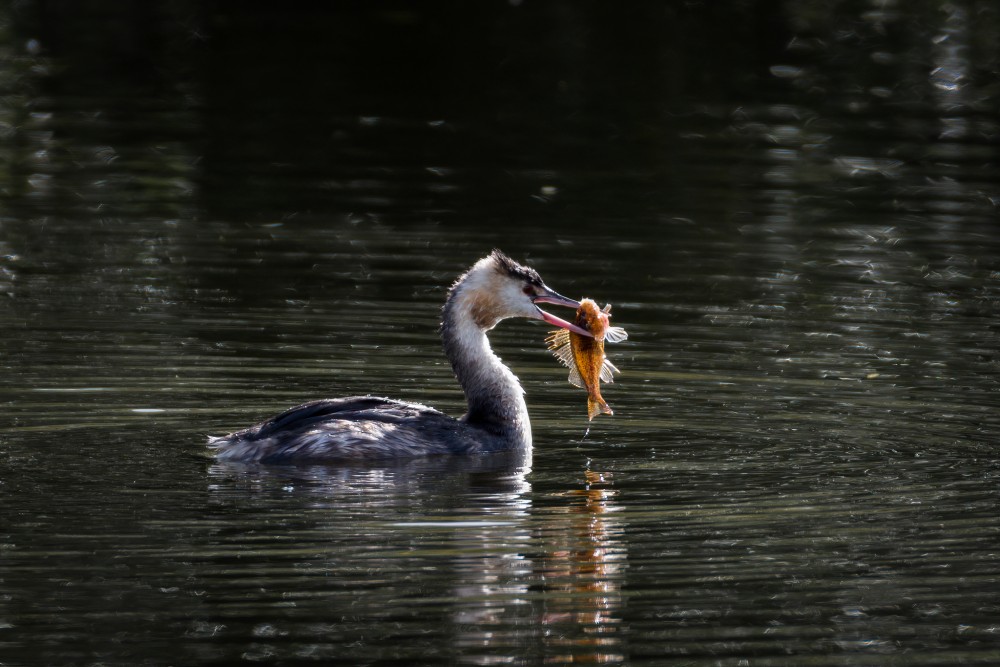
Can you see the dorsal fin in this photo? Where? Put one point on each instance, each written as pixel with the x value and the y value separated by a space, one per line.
pixel 559 345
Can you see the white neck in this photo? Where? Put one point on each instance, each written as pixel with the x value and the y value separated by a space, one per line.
pixel 494 394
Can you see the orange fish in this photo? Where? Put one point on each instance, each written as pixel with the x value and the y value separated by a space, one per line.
pixel 584 356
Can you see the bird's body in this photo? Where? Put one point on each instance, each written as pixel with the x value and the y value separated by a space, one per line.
pixel 367 427
pixel 352 428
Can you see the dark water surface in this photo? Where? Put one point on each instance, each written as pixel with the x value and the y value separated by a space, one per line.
pixel 210 214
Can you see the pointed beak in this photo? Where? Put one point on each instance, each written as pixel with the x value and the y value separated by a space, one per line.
pixel 553 297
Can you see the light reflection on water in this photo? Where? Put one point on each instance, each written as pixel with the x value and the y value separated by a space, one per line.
pixel 486 584
pixel 802 464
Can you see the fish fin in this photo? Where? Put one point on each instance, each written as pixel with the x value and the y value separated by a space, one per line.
pixel 565 357
pixel 607 370
pixel 575 378
pixel 597 407
pixel 559 345
pixel 615 335
pixel 557 338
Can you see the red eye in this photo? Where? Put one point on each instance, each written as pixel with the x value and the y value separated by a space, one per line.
pixel 528 290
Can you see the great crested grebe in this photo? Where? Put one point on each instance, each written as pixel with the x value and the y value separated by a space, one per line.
pixel 368 427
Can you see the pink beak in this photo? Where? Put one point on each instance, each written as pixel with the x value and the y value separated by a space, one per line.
pixel 557 299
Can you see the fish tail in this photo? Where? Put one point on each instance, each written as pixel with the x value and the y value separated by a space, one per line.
pixel 597 406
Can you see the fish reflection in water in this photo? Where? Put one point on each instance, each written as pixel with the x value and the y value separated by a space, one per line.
pixel 588 577
pixel 571 593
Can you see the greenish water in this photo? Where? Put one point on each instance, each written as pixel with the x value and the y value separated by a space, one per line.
pixel 215 214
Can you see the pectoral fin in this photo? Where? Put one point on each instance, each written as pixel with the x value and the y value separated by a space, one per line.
pixel 615 335
pixel 607 368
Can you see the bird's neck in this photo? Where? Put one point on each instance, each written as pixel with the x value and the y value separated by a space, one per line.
pixel 494 395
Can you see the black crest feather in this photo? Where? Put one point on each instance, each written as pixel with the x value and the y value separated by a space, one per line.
pixel 515 270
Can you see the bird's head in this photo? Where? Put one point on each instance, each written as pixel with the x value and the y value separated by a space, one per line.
pixel 497 287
